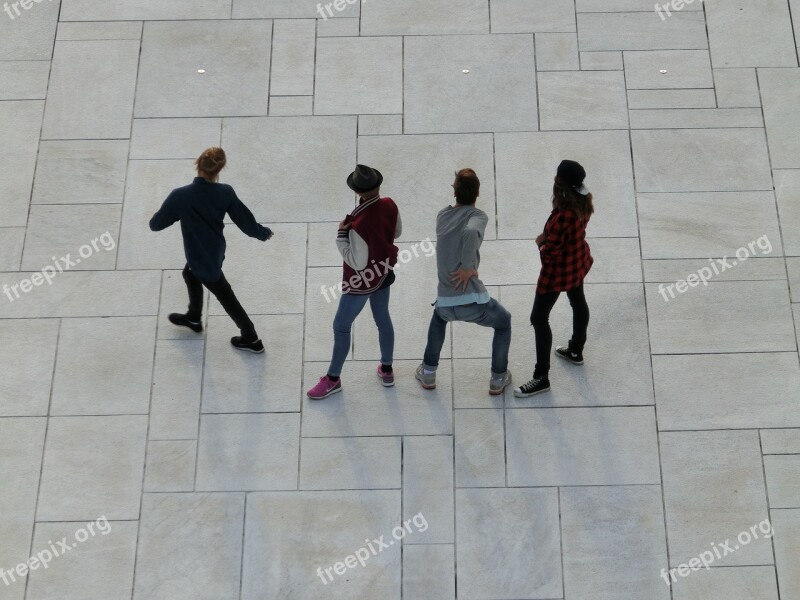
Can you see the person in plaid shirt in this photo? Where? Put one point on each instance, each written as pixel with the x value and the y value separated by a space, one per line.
pixel 566 260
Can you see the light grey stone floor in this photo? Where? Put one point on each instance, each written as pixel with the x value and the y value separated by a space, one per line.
pixel 172 467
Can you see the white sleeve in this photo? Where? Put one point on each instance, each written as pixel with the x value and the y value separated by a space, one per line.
pixel 354 250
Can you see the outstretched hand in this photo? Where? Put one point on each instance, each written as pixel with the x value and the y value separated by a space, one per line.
pixel 270 233
pixel 540 239
pixel 461 278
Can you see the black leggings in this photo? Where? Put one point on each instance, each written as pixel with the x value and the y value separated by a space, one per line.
pixel 223 292
pixel 540 319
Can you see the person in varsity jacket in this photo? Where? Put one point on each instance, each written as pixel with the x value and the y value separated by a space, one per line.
pixel 366 242
pixel 566 260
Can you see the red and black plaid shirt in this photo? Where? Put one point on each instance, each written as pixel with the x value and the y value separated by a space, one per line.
pixel 566 258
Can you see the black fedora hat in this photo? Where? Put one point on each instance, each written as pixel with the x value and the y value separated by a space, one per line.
pixel 364 179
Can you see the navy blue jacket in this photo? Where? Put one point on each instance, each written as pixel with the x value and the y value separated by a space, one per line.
pixel 201 207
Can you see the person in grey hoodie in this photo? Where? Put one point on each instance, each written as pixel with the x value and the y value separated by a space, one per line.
pixel 461 294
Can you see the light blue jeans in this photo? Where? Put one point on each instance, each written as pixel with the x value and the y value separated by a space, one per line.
pixel 350 305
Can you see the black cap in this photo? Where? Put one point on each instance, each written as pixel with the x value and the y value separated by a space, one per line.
pixel 573 174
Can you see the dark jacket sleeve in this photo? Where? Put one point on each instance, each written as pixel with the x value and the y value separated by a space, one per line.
pixel 166 215
pixel 555 233
pixel 245 220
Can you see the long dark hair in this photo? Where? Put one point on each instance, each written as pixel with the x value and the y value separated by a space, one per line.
pixel 565 197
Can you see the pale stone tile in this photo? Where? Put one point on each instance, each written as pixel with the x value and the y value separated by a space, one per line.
pixel 622 377
pixel 780 90
pixel 742 583
pixel 428 487
pixel 149 184
pixel 557 52
pixel 793 269
pixel 739 218
pixel 742 34
pixel 178 532
pixel 263 166
pixel 27 365
pixel 787 188
pixel 429 572
pixel 85 233
pixel 754 269
pixel 714 490
pixel 29 34
pixel 24 80
pixel 320 311
pixel 291 106
pixel 727 391
pixel 380 124
pixel 516 567
pixel 177 381
pixel 20 123
pixel 783 480
pixel 621 525
pixel 109 30
pixel 101 106
pixel 742 316
pixel 237 382
pixel 344 65
pixel 21 447
pixel 293 51
pixel 248 452
pixel 787 548
pixel 423 17
pixel 471 375
pixel 703 98
pixel 170 466
pixel 173 138
pixel 780 441
pixel 276 535
pixel 365 408
pixel 737 88
pixel 616 260
pixel 169 84
pixel 524 16
pixel 90 378
pixel 81 171
pixel 497 94
pixel 339 27
pixel 266 276
pixel 618 446
pixel 705 118
pixel 421 187
pixel 88 10
pixel 350 463
pixel 684 69
pixel 480 448
pixel 610 60
pixel 526 165
pixel 614 6
pixel 744 166
pixel 322 249
pixel 11 242
pixel 641 31
pixel 496 269
pixel 97 569
pixel 100 476
pixel 83 294
pixel 291 9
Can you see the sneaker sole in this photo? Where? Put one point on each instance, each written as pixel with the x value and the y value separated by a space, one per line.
pixel 569 360
pixel 384 382
pixel 523 395
pixel 331 393
pixel 425 386
pixel 250 350
pixel 500 391
pixel 196 328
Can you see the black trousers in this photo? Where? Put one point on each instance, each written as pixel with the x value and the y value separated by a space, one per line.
pixel 223 292
pixel 540 319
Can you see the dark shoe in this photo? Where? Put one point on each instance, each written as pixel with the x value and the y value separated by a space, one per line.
pixel 537 385
pixel 576 358
pixel 256 347
pixel 184 321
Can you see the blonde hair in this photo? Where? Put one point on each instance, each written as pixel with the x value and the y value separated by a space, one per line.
pixel 211 162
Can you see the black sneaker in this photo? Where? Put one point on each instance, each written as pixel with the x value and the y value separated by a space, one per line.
pixel 537 385
pixel 256 347
pixel 184 321
pixel 576 358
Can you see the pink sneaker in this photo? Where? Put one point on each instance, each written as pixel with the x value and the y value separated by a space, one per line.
pixel 324 388
pixel 387 379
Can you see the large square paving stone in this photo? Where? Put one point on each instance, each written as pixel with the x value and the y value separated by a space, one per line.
pixel 20 123
pixel 582 100
pixel 742 583
pixel 497 94
pixel 423 17
pixel 234 54
pixel 27 365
